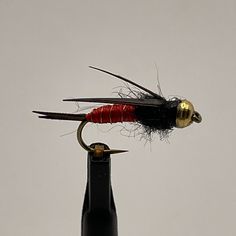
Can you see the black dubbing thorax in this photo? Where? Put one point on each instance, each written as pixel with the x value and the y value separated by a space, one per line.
pixel 162 117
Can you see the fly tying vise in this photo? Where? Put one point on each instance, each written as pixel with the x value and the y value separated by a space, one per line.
pixel 152 111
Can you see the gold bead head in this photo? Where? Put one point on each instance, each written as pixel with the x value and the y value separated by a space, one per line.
pixel 186 115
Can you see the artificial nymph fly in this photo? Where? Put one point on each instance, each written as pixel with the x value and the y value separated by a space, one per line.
pixel 149 109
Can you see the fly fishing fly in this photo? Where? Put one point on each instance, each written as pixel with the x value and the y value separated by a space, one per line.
pixel 149 109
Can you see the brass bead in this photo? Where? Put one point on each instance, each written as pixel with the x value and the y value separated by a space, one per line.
pixel 185 112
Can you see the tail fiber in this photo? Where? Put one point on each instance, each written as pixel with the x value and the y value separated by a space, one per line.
pixel 60 116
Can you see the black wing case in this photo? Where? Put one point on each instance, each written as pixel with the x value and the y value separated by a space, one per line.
pixel 150 102
pixel 154 100
pixel 145 103
pixel 131 82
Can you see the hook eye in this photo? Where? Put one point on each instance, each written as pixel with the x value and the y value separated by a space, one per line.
pixel 196 117
pixel 97 150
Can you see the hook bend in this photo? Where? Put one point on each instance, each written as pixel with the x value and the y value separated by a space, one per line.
pixel 98 151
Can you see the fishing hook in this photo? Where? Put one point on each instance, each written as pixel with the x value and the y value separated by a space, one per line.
pixel 98 150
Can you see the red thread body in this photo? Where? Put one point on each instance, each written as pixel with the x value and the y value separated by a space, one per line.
pixel 112 114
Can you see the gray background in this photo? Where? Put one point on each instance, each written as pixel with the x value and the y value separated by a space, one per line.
pixel 184 187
